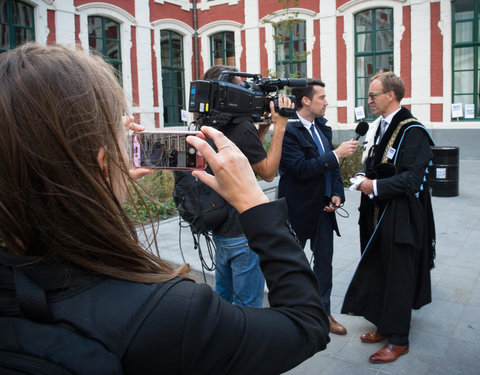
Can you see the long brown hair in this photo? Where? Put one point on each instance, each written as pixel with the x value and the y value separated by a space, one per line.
pixel 58 108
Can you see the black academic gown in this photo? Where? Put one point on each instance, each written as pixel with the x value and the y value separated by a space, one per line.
pixel 393 276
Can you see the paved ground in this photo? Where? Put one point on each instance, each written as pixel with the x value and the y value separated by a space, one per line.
pixel 445 335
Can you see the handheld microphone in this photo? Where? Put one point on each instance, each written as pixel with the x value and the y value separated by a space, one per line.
pixel 360 130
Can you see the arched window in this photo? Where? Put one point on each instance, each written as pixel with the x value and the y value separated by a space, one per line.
pixel 172 77
pixel 290 49
pixel 373 50
pixel 222 48
pixel 104 37
pixel 16 24
pixel 466 56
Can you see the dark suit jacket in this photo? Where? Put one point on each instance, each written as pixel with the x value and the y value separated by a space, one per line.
pixel 302 176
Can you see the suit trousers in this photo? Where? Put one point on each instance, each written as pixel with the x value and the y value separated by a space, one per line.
pixel 321 245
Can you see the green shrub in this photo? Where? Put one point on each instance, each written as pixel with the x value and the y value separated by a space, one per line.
pixel 154 198
pixel 351 165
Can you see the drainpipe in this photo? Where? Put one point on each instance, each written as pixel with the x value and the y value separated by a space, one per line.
pixel 196 60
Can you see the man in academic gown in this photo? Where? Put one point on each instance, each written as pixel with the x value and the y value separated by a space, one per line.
pixel 397 234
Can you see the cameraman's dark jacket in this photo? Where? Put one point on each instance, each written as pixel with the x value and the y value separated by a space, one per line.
pixel 245 136
pixel 191 330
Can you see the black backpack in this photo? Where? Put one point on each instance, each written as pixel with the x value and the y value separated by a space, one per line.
pixel 199 205
pixel 33 343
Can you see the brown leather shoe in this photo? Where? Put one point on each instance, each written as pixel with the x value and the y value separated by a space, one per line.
pixel 373 337
pixel 389 353
pixel 336 327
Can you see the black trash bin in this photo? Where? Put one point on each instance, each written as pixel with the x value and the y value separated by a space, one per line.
pixel 443 174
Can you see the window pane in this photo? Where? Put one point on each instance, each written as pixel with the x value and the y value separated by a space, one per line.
pixel 284 51
pixel 299 30
pixel 112 50
pixel 178 77
pixel 95 27
pixel 464 99
pixel 464 9
pixel 362 87
pixel 111 29
pixel 229 40
pixel 95 44
pixel 21 14
pixel 364 21
pixel 281 71
pixel 464 32
pixel 299 48
pixel 364 42
pixel 463 58
pixel 383 18
pixel 463 82
pixel 230 60
pixel 177 58
pixel 176 41
pixel 364 66
pixel 3 11
pixel 384 40
pixel 4 37
pixel 22 36
pixel 166 80
pixel 384 63
pixel 218 44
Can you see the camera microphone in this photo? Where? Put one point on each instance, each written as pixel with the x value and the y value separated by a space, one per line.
pixel 360 130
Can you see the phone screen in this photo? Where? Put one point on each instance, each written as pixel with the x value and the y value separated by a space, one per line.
pixel 165 150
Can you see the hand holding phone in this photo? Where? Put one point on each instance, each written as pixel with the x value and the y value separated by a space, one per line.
pixel 166 150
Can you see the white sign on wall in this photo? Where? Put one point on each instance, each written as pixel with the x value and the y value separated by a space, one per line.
pixel 457 110
pixel 469 110
pixel 359 113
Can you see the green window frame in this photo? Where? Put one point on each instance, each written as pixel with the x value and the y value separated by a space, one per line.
pixel 104 39
pixel 17 24
pixel 466 55
pixel 291 49
pixel 373 51
pixel 222 48
pixel 173 77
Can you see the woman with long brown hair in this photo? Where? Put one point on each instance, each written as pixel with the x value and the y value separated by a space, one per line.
pixel 72 271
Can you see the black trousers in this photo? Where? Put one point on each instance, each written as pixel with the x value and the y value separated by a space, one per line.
pixel 321 245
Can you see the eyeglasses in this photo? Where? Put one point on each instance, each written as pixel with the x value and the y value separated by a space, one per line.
pixel 374 95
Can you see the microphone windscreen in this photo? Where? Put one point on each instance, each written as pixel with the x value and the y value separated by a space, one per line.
pixel 362 128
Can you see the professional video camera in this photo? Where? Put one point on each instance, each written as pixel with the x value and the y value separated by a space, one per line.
pixel 219 101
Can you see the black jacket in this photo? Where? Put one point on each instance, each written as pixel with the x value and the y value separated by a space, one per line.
pixel 192 330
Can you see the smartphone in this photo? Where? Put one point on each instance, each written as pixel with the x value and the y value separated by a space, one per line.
pixel 166 150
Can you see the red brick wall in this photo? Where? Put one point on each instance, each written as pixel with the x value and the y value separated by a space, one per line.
pixel 436 58
pixel 52 35
pixel 406 52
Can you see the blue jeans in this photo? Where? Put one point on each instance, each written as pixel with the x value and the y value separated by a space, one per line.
pixel 238 268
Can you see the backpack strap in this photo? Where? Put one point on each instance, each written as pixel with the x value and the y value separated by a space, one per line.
pixel 31 298
pixel 142 313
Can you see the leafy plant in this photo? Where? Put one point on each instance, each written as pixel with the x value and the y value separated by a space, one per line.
pixel 152 198
pixel 351 165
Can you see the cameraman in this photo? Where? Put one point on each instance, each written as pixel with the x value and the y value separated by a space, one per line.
pixel 237 266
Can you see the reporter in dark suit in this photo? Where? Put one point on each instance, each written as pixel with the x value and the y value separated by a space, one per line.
pixel 311 183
